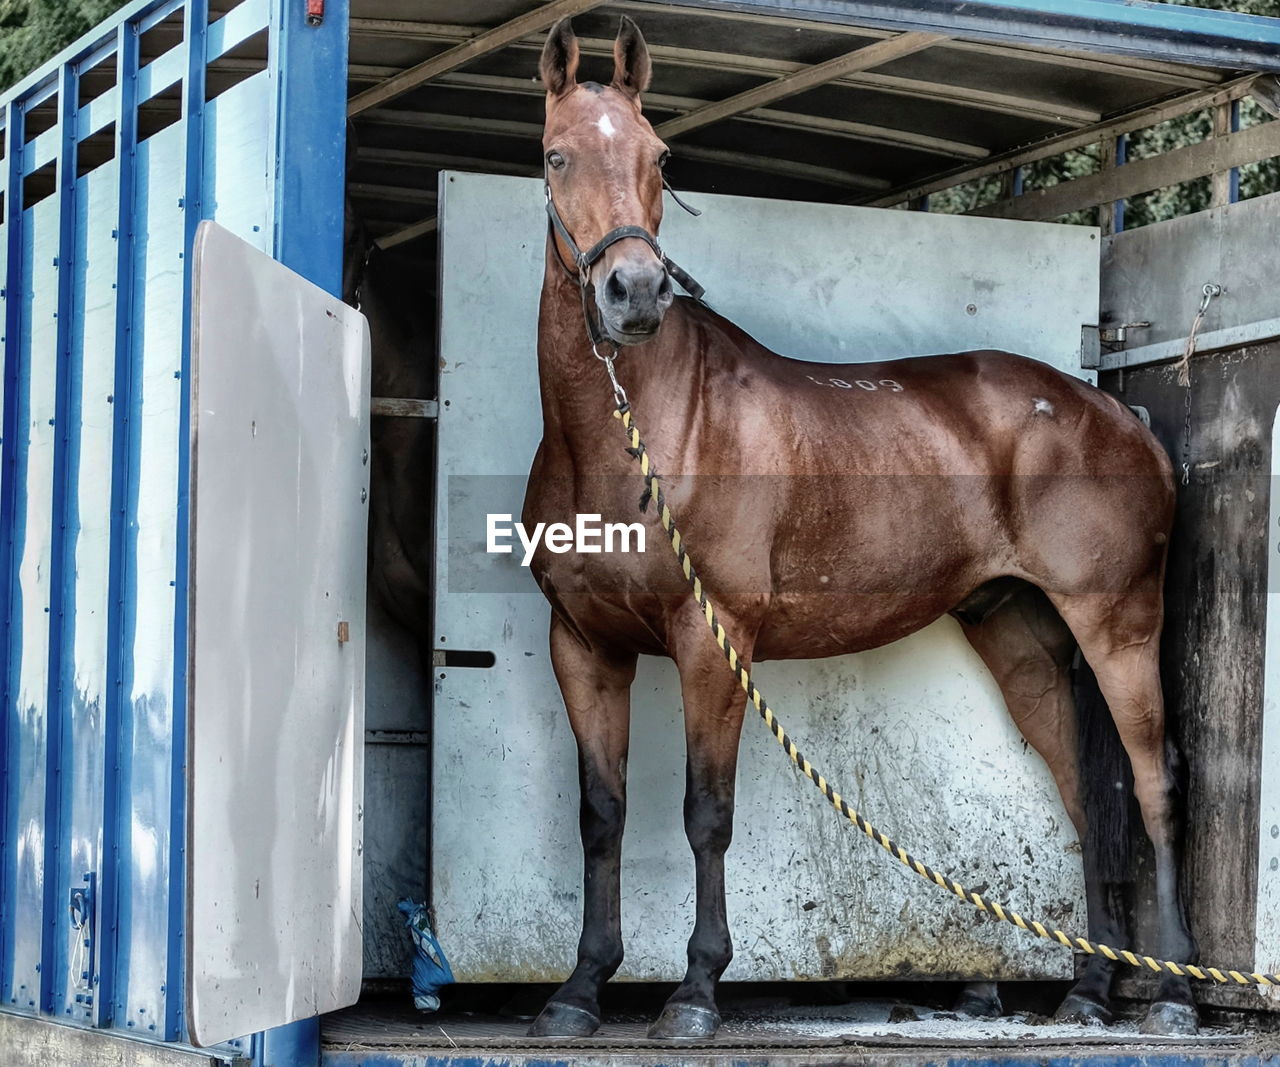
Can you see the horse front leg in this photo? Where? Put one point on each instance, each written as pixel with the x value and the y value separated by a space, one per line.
pixel 596 686
pixel 713 709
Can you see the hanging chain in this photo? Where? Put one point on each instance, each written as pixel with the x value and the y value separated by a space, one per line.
pixel 1208 292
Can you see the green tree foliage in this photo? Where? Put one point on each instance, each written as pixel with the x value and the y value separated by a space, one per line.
pixel 32 31
pixel 1151 207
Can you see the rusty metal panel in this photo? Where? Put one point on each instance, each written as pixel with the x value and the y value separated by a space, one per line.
pixel 1214 647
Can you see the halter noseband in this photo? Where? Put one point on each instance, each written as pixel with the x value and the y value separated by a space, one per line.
pixel 584 261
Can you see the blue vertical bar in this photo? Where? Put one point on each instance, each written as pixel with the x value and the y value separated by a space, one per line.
pixel 115 837
pixel 308 65
pixel 295 1044
pixel 195 33
pixel 1122 157
pixel 61 592
pixel 1234 194
pixel 1019 177
pixel 14 126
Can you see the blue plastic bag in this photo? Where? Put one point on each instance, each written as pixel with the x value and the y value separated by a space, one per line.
pixel 431 971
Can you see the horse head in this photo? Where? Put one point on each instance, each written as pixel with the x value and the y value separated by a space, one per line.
pixel 604 174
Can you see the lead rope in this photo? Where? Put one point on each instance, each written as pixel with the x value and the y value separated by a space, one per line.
pixel 653 490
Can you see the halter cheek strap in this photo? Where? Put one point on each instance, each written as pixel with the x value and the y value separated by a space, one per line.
pixel 585 260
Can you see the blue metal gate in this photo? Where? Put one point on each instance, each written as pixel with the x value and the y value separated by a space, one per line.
pixel 113 153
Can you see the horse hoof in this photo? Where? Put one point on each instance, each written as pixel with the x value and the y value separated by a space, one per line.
pixel 1170 1019
pixel 685 1022
pixel 979 1007
pixel 564 1020
pixel 1078 1009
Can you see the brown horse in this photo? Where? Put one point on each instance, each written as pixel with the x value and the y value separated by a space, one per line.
pixel 1033 507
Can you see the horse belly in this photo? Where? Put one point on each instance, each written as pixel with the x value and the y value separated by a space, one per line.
pixel 872 570
pixel 816 625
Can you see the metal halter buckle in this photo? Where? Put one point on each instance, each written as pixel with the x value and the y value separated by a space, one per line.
pixel 619 393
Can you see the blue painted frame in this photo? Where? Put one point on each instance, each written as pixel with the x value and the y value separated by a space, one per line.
pixel 13 132
pixel 311 115
pixel 66 429
pixel 126 119
pixel 306 161
pixel 195 34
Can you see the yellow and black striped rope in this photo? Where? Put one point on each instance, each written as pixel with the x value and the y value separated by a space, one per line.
pixel 653 490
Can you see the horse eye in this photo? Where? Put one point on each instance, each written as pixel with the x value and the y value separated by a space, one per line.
pixel 555 159
pixel 662 159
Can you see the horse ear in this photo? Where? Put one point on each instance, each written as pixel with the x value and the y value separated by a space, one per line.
pixel 632 67
pixel 559 65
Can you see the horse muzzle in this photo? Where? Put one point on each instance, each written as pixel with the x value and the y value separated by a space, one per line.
pixel 632 301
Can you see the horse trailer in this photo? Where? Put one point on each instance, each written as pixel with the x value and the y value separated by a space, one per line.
pixel 265 675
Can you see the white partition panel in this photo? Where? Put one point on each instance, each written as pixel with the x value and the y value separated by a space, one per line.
pixel 1267 945
pixel 280 437
pixel 914 734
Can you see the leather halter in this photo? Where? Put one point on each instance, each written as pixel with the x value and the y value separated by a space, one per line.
pixel 584 261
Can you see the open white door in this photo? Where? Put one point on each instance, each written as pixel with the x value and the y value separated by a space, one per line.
pixel 279 484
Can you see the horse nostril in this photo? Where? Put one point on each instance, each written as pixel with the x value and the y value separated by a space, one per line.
pixel 615 289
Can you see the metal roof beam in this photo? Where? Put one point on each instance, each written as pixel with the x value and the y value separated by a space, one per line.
pixel 530 131
pixel 1173 74
pixel 855 131
pixel 490 40
pixel 1161 32
pixel 405 157
pixel 394 193
pixel 1056 111
pixel 855 62
pixel 1177 75
pixel 408 233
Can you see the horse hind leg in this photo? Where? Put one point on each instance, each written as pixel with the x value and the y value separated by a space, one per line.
pixel 1028 649
pixel 1119 636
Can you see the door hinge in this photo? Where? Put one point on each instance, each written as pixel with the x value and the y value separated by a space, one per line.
pixel 1090 347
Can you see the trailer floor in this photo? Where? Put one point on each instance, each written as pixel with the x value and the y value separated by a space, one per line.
pixel 856 1034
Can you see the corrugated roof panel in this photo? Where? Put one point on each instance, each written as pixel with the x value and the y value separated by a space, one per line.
pixel 998 83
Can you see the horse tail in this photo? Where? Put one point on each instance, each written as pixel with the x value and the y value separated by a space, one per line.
pixel 1106 781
